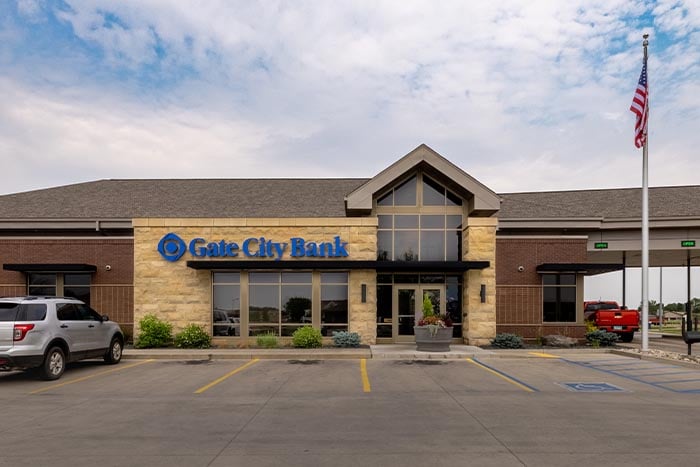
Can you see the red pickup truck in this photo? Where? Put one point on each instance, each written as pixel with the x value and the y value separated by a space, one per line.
pixel 611 317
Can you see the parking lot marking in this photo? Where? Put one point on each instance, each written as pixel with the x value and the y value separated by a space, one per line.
pixel 365 380
pixel 227 375
pixel 544 355
pixel 77 380
pixel 663 385
pixel 500 374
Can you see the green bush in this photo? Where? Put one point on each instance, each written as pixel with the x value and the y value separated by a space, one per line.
pixel 154 333
pixel 346 339
pixel 193 337
pixel 602 338
pixel 267 340
pixel 307 338
pixel 507 341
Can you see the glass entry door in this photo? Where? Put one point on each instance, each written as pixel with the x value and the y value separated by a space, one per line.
pixel 408 307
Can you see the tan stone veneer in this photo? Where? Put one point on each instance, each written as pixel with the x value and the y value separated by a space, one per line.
pixel 181 295
pixel 479 244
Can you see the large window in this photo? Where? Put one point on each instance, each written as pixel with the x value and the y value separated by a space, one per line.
pixel 279 302
pixel 419 237
pixel 60 284
pixel 419 220
pixel 559 298
pixel 334 302
pixel 227 304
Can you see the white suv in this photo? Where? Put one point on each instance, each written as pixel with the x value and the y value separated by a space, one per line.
pixel 48 332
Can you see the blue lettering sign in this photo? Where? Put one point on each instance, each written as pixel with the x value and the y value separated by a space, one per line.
pixel 171 247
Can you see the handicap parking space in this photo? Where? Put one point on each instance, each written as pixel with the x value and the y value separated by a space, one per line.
pixel 651 374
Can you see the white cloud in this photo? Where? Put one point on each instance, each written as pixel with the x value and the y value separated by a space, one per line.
pixel 522 95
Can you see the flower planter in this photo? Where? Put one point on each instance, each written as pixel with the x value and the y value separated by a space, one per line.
pixel 427 342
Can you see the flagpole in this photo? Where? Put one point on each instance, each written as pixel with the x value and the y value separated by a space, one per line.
pixel 645 223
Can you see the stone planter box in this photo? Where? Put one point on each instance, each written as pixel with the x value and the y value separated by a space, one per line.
pixel 426 342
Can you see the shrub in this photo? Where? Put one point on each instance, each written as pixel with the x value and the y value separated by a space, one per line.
pixel 590 326
pixel 602 338
pixel 346 339
pixel 154 333
pixel 307 338
pixel 507 341
pixel 267 340
pixel 193 337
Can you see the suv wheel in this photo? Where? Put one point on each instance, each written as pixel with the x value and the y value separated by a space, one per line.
pixel 114 353
pixel 54 364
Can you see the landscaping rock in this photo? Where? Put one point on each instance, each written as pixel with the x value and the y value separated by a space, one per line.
pixel 556 340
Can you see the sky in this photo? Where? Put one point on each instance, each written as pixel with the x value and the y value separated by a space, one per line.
pixel 524 95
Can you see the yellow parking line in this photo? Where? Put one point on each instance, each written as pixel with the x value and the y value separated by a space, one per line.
pixel 363 371
pixel 77 380
pixel 503 376
pixel 544 355
pixel 227 375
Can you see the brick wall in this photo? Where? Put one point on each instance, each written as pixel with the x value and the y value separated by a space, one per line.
pixel 519 294
pixel 111 292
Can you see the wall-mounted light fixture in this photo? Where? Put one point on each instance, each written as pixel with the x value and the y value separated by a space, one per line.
pixel 482 293
pixel 364 293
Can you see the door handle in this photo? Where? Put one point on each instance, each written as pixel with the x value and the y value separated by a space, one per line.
pixel 91 325
pixel 64 325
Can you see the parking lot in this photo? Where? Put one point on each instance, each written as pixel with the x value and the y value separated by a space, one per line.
pixel 532 409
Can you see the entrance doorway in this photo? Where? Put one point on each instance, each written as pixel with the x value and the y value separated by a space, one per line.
pixel 407 308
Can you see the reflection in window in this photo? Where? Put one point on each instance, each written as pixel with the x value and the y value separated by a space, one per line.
pixel 559 298
pixel 430 234
pixel 226 304
pixel 278 302
pixel 334 302
pixel 432 242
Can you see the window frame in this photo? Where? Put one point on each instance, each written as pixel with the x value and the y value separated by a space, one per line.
pixel 559 287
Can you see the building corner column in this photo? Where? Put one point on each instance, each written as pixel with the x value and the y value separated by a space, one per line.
pixel 479 314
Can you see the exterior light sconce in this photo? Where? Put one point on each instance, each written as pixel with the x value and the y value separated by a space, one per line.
pixel 364 293
pixel 482 293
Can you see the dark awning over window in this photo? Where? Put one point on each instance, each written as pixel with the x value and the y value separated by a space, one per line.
pixel 50 267
pixel 588 269
pixel 397 266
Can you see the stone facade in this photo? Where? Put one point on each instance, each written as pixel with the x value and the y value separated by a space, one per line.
pixel 181 295
pixel 479 244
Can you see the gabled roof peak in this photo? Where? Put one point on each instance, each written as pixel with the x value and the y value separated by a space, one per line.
pixel 483 201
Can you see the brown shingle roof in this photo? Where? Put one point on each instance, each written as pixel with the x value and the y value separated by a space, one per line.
pixel 126 199
pixel 622 203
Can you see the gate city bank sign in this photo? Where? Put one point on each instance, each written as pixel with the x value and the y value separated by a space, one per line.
pixel 171 247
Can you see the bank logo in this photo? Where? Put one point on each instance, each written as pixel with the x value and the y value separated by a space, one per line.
pixel 171 247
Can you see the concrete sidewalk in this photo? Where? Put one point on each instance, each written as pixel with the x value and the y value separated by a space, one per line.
pixel 385 351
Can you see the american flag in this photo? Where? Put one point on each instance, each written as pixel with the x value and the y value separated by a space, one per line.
pixel 640 107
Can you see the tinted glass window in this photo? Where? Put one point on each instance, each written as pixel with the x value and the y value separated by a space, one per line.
pixel 32 312
pixel 42 279
pixel 86 313
pixel 81 293
pixel 227 277
pixel 386 200
pixel 405 194
pixel 433 193
pixel 8 311
pixel 334 277
pixel 67 312
pixel 406 222
pixel 76 279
